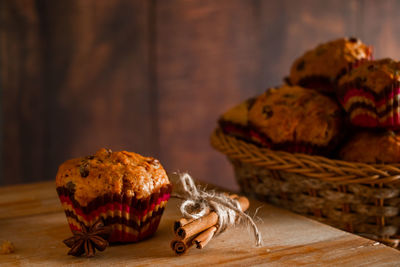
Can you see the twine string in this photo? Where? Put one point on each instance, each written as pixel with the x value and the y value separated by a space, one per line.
pixel 198 202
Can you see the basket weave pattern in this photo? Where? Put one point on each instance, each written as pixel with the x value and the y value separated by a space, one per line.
pixel 356 197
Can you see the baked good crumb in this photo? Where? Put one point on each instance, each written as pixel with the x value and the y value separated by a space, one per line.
pixel 7 247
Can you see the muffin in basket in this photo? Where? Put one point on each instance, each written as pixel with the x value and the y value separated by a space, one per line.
pixel 373 147
pixel 235 122
pixel 128 191
pixel 296 119
pixel 321 67
pixel 370 94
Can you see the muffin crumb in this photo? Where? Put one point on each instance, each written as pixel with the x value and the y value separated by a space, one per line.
pixel 7 247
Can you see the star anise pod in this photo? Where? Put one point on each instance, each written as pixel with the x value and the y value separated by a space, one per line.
pixel 90 239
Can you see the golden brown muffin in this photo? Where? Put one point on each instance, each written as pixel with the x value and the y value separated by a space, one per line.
pixel 375 75
pixel 238 115
pixel 125 190
pixel 321 67
pixel 372 147
pixel 235 121
pixel 292 116
pixel 370 94
pixel 107 172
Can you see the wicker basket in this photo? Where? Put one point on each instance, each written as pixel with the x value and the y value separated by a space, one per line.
pixel 355 197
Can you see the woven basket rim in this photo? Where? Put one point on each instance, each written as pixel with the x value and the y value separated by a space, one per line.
pixel 319 167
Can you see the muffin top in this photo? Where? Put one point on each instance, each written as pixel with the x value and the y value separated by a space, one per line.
pixel 107 172
pixel 374 75
pixel 238 114
pixel 296 114
pixel 329 60
pixel 372 147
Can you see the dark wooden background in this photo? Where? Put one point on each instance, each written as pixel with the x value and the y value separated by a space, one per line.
pixel 153 76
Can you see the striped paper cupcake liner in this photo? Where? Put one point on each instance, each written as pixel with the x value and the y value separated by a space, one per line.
pixel 131 219
pixel 366 108
pixel 328 85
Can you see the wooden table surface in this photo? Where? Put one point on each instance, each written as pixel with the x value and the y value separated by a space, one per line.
pixel 32 218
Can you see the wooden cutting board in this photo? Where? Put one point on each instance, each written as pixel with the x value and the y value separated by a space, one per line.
pixel 32 218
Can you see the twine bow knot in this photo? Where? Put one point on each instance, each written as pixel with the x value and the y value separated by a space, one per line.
pixel 198 202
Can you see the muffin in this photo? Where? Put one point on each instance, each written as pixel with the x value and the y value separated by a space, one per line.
pixel 373 147
pixel 321 67
pixel 296 119
pixel 128 191
pixel 370 94
pixel 235 122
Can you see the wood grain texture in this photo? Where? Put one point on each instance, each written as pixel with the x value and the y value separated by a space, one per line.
pixel 22 88
pixel 100 84
pixel 76 78
pixel 28 200
pixel 289 240
pixel 153 76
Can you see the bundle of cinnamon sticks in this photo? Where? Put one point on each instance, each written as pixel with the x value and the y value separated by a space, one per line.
pixel 199 232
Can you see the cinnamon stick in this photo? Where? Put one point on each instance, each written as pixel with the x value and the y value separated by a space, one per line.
pixel 203 238
pixel 181 222
pixel 197 226
pixel 181 246
pixel 206 222
pixel 244 203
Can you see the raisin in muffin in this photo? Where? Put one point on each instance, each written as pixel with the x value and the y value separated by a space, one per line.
pixel 128 191
pixel 371 93
pixel 296 119
pixel 373 147
pixel 321 67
